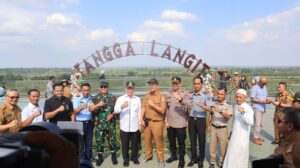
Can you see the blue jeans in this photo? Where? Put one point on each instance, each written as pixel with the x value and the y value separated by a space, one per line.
pixel 87 140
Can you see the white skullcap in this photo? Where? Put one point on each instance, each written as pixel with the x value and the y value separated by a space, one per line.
pixel 242 91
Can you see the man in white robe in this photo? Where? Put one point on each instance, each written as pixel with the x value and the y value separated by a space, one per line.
pixel 237 155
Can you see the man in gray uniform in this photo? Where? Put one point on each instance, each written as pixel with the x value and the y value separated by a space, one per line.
pixel 199 103
pixel 176 120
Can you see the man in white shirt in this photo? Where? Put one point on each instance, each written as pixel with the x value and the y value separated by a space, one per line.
pixel 32 112
pixel 129 108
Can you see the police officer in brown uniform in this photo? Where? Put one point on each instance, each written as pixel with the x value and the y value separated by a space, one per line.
pixel 220 113
pixel 176 120
pixel 152 119
pixel 283 99
pixel 289 148
pixel 10 113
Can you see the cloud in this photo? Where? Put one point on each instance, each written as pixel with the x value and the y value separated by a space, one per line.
pixel 101 33
pixel 61 19
pixel 269 28
pixel 152 29
pixel 270 40
pixel 176 15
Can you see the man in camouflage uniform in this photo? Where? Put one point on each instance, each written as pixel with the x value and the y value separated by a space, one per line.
pixel 103 109
pixel 10 113
pixel 282 100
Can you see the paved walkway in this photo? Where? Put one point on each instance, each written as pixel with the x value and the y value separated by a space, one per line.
pixel 256 151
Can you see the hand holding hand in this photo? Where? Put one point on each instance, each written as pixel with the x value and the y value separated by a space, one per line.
pixel 268 101
pixel 276 103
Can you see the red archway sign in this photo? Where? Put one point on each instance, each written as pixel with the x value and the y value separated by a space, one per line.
pixel 153 49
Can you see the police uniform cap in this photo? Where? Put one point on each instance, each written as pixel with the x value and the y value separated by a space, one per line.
pixel 153 81
pixel 130 84
pixel 104 83
pixel 176 79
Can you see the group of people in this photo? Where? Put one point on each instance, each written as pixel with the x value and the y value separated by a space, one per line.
pixel 176 110
pixel 236 81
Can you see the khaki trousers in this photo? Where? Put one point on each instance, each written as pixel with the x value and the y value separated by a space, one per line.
pixel 221 135
pixel 154 130
pixel 276 130
pixel 258 123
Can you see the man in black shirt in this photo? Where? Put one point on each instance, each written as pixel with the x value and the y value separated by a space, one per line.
pixel 58 107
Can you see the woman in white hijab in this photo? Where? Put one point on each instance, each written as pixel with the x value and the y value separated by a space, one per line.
pixel 237 155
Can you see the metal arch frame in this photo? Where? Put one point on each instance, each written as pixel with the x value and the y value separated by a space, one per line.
pixel 77 68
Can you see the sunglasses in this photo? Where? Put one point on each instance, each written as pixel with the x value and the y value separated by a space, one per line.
pixel 14 97
pixel 103 87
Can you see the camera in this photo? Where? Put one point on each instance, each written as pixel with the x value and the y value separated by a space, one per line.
pixel 15 154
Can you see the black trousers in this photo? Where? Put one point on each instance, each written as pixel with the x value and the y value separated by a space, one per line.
pixel 129 138
pixel 197 128
pixel 87 140
pixel 180 135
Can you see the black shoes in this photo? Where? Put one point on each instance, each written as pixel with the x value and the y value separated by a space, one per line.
pixel 114 158
pixel 93 159
pixel 99 161
pixel 171 159
pixel 192 162
pixel 135 161
pixel 200 164
pixel 125 163
pixel 181 163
